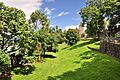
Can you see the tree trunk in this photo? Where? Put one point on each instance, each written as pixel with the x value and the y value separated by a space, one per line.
pixel 43 53
pixel 2 47
pixel 98 35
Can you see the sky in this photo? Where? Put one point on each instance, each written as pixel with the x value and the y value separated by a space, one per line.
pixel 64 13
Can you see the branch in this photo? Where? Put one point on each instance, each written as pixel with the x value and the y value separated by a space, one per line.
pixel 14 50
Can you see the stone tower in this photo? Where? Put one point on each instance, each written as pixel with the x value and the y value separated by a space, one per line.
pixel 81 30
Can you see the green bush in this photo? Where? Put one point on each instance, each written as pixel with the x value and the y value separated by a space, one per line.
pixel 72 36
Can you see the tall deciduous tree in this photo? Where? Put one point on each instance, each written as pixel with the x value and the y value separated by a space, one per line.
pixel 93 16
pixel 14 31
pixel 13 28
pixel 43 33
pixel 95 13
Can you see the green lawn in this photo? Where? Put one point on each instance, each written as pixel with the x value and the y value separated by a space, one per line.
pixel 75 63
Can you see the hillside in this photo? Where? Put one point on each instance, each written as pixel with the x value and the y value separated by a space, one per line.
pixel 75 63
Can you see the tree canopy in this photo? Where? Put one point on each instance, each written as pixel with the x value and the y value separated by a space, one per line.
pixel 72 36
pixel 97 11
pixel 15 32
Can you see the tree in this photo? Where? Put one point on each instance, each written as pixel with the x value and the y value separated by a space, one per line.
pixel 72 36
pixel 113 12
pixel 51 40
pixel 43 33
pixel 14 31
pixel 38 17
pixel 48 39
pixel 95 13
pixel 92 15
pixel 59 34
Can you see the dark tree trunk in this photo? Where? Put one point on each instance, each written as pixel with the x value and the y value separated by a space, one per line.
pixel 2 47
pixel 98 35
pixel 43 53
pixel 13 60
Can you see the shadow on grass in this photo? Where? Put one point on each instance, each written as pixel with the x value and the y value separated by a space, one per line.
pixel 5 79
pixel 93 49
pixel 48 56
pixel 97 43
pixel 84 44
pixel 65 48
pixel 99 68
pixel 86 39
pixel 24 70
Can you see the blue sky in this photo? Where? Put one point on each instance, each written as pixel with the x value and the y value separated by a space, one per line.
pixel 63 13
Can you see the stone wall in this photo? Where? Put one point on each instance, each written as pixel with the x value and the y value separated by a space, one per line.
pixel 110 46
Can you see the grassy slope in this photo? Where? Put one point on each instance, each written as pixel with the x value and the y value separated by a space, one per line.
pixel 76 63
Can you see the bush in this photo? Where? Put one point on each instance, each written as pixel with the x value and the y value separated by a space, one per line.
pixel 72 36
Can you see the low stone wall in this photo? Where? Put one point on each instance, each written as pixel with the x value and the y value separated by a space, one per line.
pixel 110 46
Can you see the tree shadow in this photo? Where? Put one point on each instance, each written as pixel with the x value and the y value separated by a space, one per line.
pixel 65 48
pixel 87 56
pixel 86 39
pixel 84 44
pixel 100 68
pixel 24 70
pixel 97 43
pixel 5 79
pixel 93 49
pixel 48 56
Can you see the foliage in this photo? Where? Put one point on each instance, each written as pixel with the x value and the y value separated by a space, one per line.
pixel 60 35
pixel 38 19
pixel 13 29
pixel 95 13
pixel 43 33
pixel 48 39
pixel 4 58
pixel 112 10
pixel 15 33
pixel 72 36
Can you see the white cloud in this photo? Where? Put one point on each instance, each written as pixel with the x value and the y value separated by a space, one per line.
pixel 49 17
pixel 76 19
pixel 50 0
pixel 28 6
pixel 53 9
pixel 52 25
pixel 48 11
pixel 72 27
pixel 77 12
pixel 63 13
